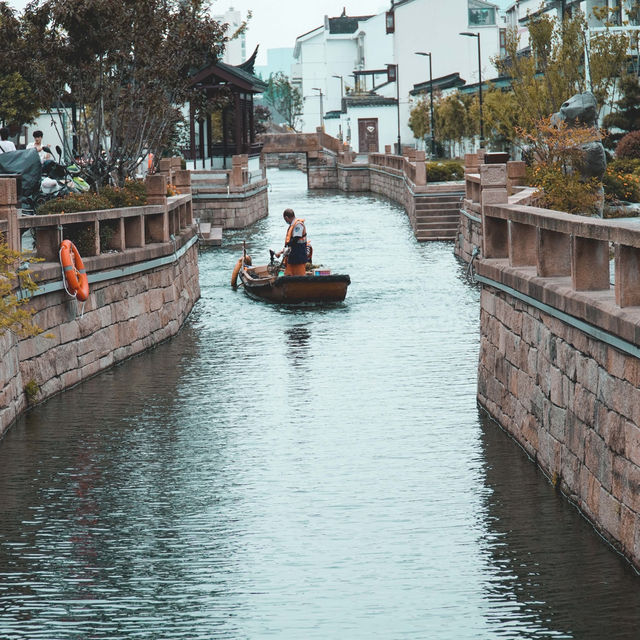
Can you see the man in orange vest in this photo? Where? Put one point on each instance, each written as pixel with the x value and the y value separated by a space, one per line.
pixel 295 246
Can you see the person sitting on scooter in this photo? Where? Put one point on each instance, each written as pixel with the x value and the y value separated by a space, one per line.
pixel 39 147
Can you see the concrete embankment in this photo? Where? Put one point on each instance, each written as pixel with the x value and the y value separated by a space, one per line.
pixel 142 287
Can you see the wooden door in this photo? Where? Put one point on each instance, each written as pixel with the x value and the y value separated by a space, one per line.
pixel 367 135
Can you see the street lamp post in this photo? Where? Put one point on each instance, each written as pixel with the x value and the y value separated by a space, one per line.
pixel 433 129
pixel 321 112
pixel 393 75
pixel 341 100
pixel 471 34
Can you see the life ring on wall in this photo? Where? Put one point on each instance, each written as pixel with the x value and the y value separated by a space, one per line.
pixel 236 270
pixel 75 275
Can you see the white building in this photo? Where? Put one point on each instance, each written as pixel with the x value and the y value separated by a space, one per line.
pixel 362 48
pixel 235 52
pixel 432 26
pixel 519 13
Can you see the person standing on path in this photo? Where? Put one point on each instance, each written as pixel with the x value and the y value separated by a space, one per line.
pixel 5 143
pixel 295 246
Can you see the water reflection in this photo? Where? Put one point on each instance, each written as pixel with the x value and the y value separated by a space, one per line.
pixel 297 344
pixel 548 568
pixel 175 497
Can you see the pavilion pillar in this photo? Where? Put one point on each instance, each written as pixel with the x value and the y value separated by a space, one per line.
pixel 252 129
pixel 192 134
pixel 238 122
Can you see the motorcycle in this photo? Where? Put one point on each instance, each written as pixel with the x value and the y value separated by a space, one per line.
pixel 58 180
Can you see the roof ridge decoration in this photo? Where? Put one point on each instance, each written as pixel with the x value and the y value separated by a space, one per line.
pixel 249 64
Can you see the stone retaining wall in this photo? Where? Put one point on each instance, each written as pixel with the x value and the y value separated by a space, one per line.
pixel 322 170
pixel 573 403
pixel 142 287
pixel 122 317
pixel 559 364
pixel 233 211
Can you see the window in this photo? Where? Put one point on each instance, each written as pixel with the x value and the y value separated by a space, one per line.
pixel 390 22
pixel 482 17
pixel 481 14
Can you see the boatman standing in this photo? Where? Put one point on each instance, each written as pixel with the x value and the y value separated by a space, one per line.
pixel 295 245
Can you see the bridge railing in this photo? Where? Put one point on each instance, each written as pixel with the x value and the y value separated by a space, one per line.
pixel 413 167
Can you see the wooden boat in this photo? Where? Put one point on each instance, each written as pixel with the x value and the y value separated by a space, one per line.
pixel 266 282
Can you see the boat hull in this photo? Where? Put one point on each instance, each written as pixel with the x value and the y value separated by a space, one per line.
pixel 297 289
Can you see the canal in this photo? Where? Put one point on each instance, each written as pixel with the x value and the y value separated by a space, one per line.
pixel 317 473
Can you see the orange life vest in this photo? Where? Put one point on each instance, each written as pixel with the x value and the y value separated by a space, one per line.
pixel 303 238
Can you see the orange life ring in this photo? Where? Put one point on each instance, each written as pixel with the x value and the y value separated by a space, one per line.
pixel 236 271
pixel 74 271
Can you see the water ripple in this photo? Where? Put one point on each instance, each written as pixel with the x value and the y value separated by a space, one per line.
pixel 316 473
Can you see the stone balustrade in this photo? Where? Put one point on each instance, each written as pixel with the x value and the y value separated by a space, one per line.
pixel 121 229
pixel 230 198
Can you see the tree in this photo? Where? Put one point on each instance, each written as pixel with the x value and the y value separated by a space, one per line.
pixel 124 65
pixel 553 70
pixel 14 316
pixel 18 100
pixel 451 114
pixel 626 117
pixel 501 117
pixel 558 152
pixel 420 119
pixel 262 117
pixel 284 98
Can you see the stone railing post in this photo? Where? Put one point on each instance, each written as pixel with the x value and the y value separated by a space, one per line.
pixel 471 167
pixel 157 189
pixel 387 148
pixel 516 174
pixel 9 211
pixel 421 168
pixel 157 194
pixel 164 168
pixel 235 179
pixel 176 165
pixel 182 180
pixel 495 231
pixel 347 156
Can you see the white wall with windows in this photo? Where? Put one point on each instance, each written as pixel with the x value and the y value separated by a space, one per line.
pixel 433 26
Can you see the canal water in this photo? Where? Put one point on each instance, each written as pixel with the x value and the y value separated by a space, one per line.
pixel 285 473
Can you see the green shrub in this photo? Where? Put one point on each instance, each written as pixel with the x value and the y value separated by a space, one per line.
pixel 137 188
pixel 123 197
pixel 624 165
pixel 564 192
pixel 133 194
pixel 73 203
pixel 629 146
pixel 620 185
pixel 444 171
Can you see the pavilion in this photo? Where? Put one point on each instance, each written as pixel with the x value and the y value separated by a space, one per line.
pixel 221 122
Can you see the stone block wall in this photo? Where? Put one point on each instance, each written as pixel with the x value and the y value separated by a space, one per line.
pixel 573 403
pixel 233 210
pixel 286 161
pixel 322 170
pixel 353 179
pixel 469 236
pixel 122 317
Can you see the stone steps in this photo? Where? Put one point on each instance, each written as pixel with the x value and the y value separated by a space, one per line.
pixel 437 217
